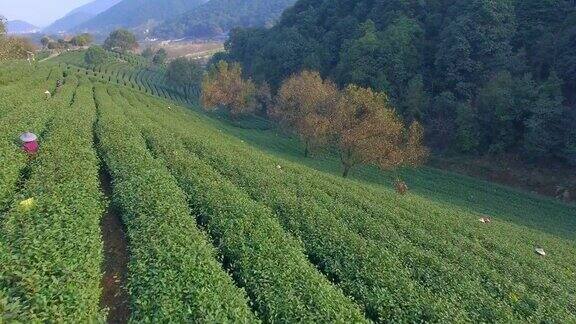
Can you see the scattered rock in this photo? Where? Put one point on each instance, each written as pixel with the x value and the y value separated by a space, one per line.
pixel 279 167
pixel 540 251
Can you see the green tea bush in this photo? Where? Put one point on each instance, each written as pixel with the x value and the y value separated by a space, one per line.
pixel 173 273
pixel 51 236
pixel 493 280
pixel 271 264
pixel 31 113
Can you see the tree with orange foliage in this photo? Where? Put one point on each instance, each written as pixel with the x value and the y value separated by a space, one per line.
pixel 263 98
pixel 224 87
pixel 367 130
pixel 303 106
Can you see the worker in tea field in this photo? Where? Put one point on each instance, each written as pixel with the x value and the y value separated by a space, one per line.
pixel 29 143
pixel 58 85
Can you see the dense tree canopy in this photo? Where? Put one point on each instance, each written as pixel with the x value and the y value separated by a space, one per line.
pixel 184 72
pixel 368 131
pixel 45 41
pixel 160 57
pixel 95 55
pixel 224 87
pixel 483 76
pixel 303 106
pixel 148 52
pixel 83 39
pixel 121 40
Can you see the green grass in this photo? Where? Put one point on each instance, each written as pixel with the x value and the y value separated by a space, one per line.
pixel 228 222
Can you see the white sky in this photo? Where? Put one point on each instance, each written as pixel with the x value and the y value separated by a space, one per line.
pixel 38 12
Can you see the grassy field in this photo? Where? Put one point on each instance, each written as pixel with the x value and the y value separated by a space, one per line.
pixel 191 49
pixel 228 222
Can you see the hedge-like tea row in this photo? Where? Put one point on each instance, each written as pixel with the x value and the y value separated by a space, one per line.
pixel 485 296
pixel 51 245
pixel 440 278
pixel 424 234
pixel 29 88
pixel 14 71
pixel 451 270
pixel 31 115
pixel 461 248
pixel 128 71
pixel 502 264
pixel 386 295
pixel 272 265
pixel 499 257
pixel 173 272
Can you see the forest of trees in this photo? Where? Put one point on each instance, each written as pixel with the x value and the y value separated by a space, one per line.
pixel 482 76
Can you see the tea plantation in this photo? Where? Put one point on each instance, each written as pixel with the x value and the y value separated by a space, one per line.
pixel 229 223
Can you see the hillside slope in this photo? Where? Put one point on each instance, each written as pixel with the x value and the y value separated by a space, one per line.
pixel 231 224
pixel 219 16
pixel 20 27
pixel 69 22
pixel 80 15
pixel 137 13
pixel 95 7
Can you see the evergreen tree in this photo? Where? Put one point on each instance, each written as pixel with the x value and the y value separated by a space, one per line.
pixel 361 60
pixel 544 133
pixel 121 40
pixel 416 100
pixel 160 57
pixel 467 132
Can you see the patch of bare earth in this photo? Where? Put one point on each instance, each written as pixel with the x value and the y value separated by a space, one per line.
pixel 115 297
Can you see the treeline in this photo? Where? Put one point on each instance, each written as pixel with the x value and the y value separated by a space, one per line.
pixel 80 40
pixel 358 123
pixel 483 76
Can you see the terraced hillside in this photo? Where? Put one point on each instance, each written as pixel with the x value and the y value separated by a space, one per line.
pixel 225 223
pixel 128 70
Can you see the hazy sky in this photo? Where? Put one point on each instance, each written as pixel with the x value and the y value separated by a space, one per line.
pixel 38 12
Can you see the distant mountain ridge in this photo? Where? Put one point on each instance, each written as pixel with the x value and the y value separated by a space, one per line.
pixel 95 7
pixel 80 15
pixel 137 13
pixel 219 16
pixel 21 27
